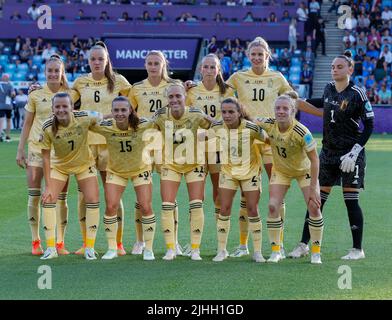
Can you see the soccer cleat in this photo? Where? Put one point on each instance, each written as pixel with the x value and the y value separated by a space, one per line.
pixel 7 139
pixel 36 249
pixel 148 255
pixel 81 250
pixel 138 247
pixel 258 257
pixel 282 253
pixel 61 249
pixel 195 255
pixel 185 251
pixel 222 255
pixel 275 257
pixel 90 254
pixel 170 255
pixel 354 254
pixel 315 258
pixel 239 252
pixel 109 255
pixel 299 251
pixel 120 249
pixel 50 253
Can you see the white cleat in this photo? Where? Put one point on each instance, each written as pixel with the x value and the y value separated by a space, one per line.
pixel 185 251
pixel 239 252
pixel 170 255
pixel 315 258
pixel 49 253
pixel 110 254
pixel 195 255
pixel 222 255
pixel 138 248
pixel 299 251
pixel 90 254
pixel 354 254
pixel 148 255
pixel 275 257
pixel 258 257
pixel 282 253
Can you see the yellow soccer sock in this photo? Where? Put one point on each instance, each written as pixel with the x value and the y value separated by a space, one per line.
pixel 223 229
pixel 92 223
pixel 62 216
pixel 120 224
pixel 34 212
pixel 282 212
pixel 197 222
pixel 111 226
pixel 138 223
pixel 256 231
pixel 49 215
pixel 82 215
pixel 274 226
pixel 316 228
pixel 176 222
pixel 149 225
pixel 167 222
pixel 243 221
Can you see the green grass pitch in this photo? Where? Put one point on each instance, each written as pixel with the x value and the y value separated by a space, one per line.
pixel 130 277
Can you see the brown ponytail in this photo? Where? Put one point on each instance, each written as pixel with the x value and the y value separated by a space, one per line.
pixel 55 124
pixel 63 78
pixel 109 73
pixel 240 108
pixel 133 119
pixel 219 78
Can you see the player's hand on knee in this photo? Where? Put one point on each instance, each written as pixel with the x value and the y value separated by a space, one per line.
pixel 349 159
pixel 47 196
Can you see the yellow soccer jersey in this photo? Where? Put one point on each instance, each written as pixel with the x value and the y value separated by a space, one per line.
pixel 72 154
pixel 125 147
pixel 239 155
pixel 289 148
pixel 259 92
pixel 180 137
pixel 147 99
pixel 95 96
pixel 40 103
pixel 207 100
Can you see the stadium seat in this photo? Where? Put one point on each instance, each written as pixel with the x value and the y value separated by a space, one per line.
pixel 295 69
pixel 23 67
pixel 294 78
pixel 7 51
pixel 69 76
pixel 19 76
pixel 37 59
pixel 10 68
pixel 295 61
pixel 14 58
pixel 41 76
pixel 3 60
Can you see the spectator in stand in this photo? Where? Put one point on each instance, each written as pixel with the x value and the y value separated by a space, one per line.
pixel 82 65
pixel 6 94
pixel 377 22
pixel 384 95
pixel 372 52
pixel 231 3
pixel 34 12
pixel 386 14
pixel 361 42
pixel 17 45
pixel 368 66
pixel 80 15
pixel 285 58
pixel 16 16
pixel 26 53
pixel 381 70
pixel 248 17
pixel 307 78
pixel 320 36
pixel 293 35
pixel 237 57
pixel 245 2
pixel 348 38
pixel 167 3
pixel 48 52
pixel 314 8
pixel 272 18
pixel 384 44
pixel 351 23
pixel 286 17
pixel 386 36
pixel 288 3
pixel 363 23
pixel 227 48
pixel 225 64
pixel 160 16
pixel 372 95
pixel 370 81
pixel 237 43
pixel 358 63
pixel 309 56
pixel 39 46
pixel 124 17
pixel 104 16
pixel 302 12
pixel 153 3
pixel 218 18
pixel 387 55
pixel 146 16
pixel 212 46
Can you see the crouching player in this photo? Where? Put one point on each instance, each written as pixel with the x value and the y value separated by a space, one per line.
pixel 294 157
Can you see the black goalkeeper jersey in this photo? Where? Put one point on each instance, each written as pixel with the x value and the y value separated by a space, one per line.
pixel 343 112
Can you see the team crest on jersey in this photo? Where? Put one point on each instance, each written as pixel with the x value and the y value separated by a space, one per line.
pixel 188 124
pixel 270 83
pixel 368 106
pixel 144 93
pixel 308 138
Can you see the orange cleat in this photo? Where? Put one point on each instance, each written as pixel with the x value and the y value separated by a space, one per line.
pixel 81 250
pixel 120 249
pixel 61 249
pixel 36 249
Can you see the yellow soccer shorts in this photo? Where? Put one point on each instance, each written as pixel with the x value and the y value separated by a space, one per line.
pixel 141 179
pixel 88 173
pixel 197 174
pixel 228 182
pixel 34 155
pixel 284 179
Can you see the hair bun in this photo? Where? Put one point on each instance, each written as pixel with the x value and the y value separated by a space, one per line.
pixel 348 54
pixel 100 44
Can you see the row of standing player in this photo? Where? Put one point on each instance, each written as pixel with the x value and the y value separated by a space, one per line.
pixel 251 87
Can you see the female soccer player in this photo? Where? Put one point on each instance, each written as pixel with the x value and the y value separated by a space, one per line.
pixel 66 134
pixel 38 109
pixel 97 91
pixel 257 89
pixel 342 157
pixel 294 157
pixel 179 124
pixel 124 138
pixel 147 97
pixel 207 96
pixel 240 167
